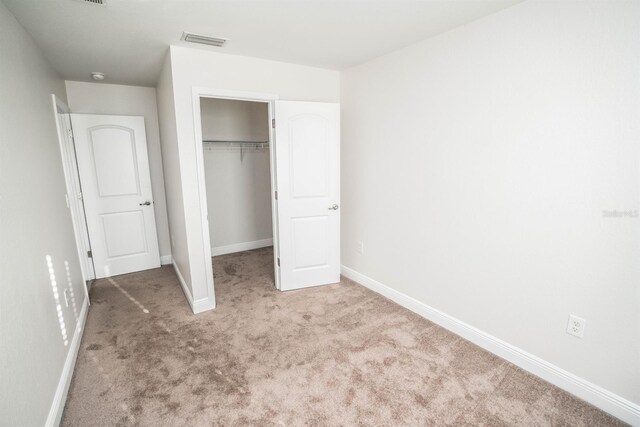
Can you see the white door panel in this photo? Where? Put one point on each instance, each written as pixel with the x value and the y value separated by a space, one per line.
pixel 124 233
pixel 308 176
pixel 113 149
pixel 114 172
pixel 310 238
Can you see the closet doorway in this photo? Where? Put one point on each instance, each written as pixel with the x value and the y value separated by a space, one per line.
pixel 235 140
pixel 236 149
pixel 303 149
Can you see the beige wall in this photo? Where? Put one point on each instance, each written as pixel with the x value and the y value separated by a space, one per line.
pixel 36 326
pixel 100 98
pixel 227 119
pixel 476 168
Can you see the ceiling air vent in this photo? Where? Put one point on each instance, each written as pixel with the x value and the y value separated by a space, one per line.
pixel 199 38
pixel 95 2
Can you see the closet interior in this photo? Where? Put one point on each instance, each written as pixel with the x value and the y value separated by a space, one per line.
pixel 238 186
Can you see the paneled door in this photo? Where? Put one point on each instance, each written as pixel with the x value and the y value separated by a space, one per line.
pixel 307 152
pixel 116 189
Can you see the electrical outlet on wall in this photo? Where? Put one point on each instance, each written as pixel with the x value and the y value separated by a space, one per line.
pixel 360 248
pixel 576 326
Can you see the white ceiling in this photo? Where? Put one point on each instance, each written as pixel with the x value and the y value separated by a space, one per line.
pixel 127 39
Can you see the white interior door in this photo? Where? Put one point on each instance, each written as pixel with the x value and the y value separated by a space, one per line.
pixel 308 183
pixel 116 186
pixel 74 190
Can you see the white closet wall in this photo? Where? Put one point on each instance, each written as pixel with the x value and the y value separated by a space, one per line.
pixel 238 191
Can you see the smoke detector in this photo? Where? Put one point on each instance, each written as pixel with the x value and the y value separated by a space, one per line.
pixel 202 39
pixel 97 76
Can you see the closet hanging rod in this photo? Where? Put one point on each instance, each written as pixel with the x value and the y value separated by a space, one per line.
pixel 215 141
pixel 209 144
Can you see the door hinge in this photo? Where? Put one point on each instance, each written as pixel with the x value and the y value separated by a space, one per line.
pixel 71 134
pixel 276 194
pixel 89 254
pixel 273 123
pixel 278 261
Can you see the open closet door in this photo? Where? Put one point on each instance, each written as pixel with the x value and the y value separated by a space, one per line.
pixel 307 152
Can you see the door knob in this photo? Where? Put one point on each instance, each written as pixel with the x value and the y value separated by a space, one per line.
pixel 333 207
pixel 147 203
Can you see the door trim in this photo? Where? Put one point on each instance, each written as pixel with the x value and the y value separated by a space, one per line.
pixel 269 99
pixel 73 186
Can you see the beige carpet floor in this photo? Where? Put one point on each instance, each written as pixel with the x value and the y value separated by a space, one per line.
pixel 332 355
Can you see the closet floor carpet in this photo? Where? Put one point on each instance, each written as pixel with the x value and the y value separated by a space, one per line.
pixel 331 355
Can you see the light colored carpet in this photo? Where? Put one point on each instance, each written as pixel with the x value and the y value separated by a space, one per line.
pixel 331 355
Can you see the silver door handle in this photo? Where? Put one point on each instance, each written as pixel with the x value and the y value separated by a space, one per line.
pixel 147 203
pixel 333 207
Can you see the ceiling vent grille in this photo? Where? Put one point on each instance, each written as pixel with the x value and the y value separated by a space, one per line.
pixel 94 2
pixel 202 39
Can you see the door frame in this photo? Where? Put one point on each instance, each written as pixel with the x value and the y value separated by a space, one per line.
pixel 74 189
pixel 205 92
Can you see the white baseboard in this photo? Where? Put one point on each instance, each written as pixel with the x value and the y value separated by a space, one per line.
pixel 199 305
pixel 60 398
pixel 185 288
pixel 617 406
pixel 166 259
pixel 203 304
pixel 239 247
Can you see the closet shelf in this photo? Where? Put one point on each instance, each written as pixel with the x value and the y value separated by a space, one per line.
pixel 236 144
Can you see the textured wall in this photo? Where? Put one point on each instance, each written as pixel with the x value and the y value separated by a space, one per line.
pixel 476 169
pixel 38 256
